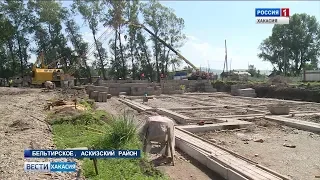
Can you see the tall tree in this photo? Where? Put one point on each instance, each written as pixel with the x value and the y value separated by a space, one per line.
pixel 47 25
pixel 293 47
pixel 81 47
pixel 114 18
pixel 166 25
pixel 131 13
pixel 18 16
pixel 90 11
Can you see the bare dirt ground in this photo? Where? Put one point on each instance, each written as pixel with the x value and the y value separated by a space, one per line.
pixel 217 111
pixel 204 101
pixel 300 162
pixel 227 100
pixel 185 167
pixel 272 145
pixel 260 104
pixel 167 103
pixel 22 126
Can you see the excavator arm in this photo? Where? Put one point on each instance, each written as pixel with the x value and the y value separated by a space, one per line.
pixel 40 60
pixel 164 43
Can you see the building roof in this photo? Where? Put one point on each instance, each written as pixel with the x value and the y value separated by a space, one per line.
pixel 242 73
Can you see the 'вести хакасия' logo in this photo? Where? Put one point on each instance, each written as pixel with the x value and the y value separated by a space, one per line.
pixel 50 166
pixel 272 15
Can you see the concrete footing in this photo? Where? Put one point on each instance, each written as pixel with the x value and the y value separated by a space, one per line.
pixel 94 95
pixel 136 106
pixel 192 108
pixel 181 119
pixel 102 97
pixel 226 163
pixel 234 124
pixel 220 160
pixel 304 125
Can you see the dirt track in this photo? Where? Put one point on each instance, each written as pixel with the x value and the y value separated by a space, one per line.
pixel 22 127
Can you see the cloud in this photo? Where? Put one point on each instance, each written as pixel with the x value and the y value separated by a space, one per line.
pixel 192 38
pixel 202 53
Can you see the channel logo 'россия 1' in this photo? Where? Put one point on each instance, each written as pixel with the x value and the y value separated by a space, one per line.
pixel 272 15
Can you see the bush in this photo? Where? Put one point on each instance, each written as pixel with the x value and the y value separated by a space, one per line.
pixel 85 118
pixel 88 103
pixel 122 133
pixel 224 86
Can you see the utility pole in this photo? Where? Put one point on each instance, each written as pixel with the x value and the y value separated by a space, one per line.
pixel 226 57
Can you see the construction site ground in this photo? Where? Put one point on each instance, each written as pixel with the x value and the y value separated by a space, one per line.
pixel 22 126
pixel 287 150
pixel 264 143
pixel 284 149
pixel 185 168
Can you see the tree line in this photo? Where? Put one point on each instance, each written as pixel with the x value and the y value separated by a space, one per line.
pixel 34 26
pixel 293 47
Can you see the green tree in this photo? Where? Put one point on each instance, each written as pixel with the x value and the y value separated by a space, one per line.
pixel 166 25
pixel 253 71
pixel 18 17
pixel 81 47
pixel 131 13
pixel 47 18
pixel 114 18
pixel 294 46
pixel 90 11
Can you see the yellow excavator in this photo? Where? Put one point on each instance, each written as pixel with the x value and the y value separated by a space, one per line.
pixel 42 73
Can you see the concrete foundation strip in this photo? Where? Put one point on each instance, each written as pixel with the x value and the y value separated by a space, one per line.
pixel 209 157
pixel 303 113
pixel 205 160
pixel 229 166
pixel 304 125
pixel 206 119
pixel 242 116
pixel 176 116
pixel 147 108
pixel 218 126
pixel 192 108
pixel 279 100
pixel 199 99
pixel 133 106
pixel 207 141
pixel 244 168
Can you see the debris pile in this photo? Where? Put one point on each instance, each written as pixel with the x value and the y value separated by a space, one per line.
pixel 59 106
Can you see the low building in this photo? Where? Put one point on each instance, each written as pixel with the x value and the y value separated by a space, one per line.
pixel 180 75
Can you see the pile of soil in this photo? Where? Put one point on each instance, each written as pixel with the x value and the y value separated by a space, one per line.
pixel 276 88
pixel 14 91
pixel 279 80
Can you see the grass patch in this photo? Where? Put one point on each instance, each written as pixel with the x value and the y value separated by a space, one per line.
pixel 88 103
pixel 99 130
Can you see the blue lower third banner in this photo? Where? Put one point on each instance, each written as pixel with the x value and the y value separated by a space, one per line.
pixel 50 166
pixel 82 153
